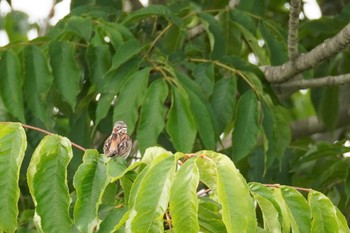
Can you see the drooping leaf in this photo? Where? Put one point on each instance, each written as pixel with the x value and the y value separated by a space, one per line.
pixel 233 195
pixel 112 219
pixel 38 81
pixel 223 102
pixel 158 10
pixel 13 145
pixel 183 205
pixel 150 195
pixel 328 109
pixel 65 70
pixel 181 126
pixel 125 52
pixel 246 128
pixel 152 121
pixel 232 36
pixel 79 25
pixel 89 182
pixel 47 182
pixel 11 84
pixel 209 216
pixel 130 98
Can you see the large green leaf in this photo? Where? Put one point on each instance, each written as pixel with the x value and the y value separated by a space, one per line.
pixel 158 10
pixel 47 181
pixel 89 182
pixel 298 210
pixel 38 82
pixel 233 194
pixel 246 128
pixel 223 102
pixel 181 126
pixel 79 25
pixel 130 98
pixel 65 70
pixel 209 216
pixel 183 204
pixel 152 115
pixel 125 52
pixel 150 195
pixel 112 219
pixel 11 83
pixel 13 144
pixel 324 216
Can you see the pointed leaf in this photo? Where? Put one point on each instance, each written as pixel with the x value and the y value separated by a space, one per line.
pixel 65 70
pixel 150 195
pixel 11 84
pixel 112 219
pixel 47 181
pixel 125 52
pixel 246 128
pixel 130 98
pixel 13 144
pixel 81 26
pixel 148 11
pixel 89 182
pixel 233 194
pixel 181 126
pixel 209 215
pixel 38 81
pixel 152 115
pixel 183 204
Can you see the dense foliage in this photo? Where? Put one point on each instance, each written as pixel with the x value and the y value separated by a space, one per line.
pixel 186 75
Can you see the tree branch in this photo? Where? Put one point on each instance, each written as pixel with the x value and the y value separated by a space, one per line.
pixel 293 86
pixel 329 48
pixel 293 29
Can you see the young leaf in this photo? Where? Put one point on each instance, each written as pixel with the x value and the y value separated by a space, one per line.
pixel 183 203
pixel 130 98
pixel 150 195
pixel 13 145
pixel 298 210
pixel 65 70
pixel 47 182
pixel 246 128
pixel 11 84
pixel 38 81
pixel 89 182
pixel 181 126
pixel 233 194
pixel 152 115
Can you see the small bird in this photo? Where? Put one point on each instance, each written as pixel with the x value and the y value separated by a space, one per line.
pixel 118 144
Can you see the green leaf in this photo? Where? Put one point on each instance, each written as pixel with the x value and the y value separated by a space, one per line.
pixel 130 98
pixel 298 210
pixel 246 128
pixel 233 194
pixel 80 26
pixel 183 204
pixel 329 107
pixel 342 222
pixel 99 60
pixel 223 102
pixel 204 76
pixel 150 195
pixel 13 145
pixel 152 114
pixel 268 205
pixel 151 10
pixel 209 216
pixel 65 70
pixel 125 52
pixel 112 219
pixel 11 84
pixel 324 217
pixel 89 182
pixel 232 36
pixel 38 82
pixel 181 126
pixel 47 181
pixel 215 35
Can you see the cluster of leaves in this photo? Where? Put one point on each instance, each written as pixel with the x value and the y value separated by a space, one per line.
pixel 153 187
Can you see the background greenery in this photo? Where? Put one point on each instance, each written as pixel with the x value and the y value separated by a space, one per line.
pixel 181 76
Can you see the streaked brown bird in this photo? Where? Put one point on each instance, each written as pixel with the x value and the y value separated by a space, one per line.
pixel 118 144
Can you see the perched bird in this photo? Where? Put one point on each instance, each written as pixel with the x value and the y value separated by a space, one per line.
pixel 118 143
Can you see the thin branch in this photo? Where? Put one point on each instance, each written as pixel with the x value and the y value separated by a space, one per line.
pixel 49 133
pixel 329 48
pixel 312 83
pixel 293 29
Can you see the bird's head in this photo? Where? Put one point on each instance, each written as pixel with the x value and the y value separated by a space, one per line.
pixel 120 127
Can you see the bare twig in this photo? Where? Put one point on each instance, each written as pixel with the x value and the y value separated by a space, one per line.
pixel 329 48
pixel 49 133
pixel 293 29
pixel 312 83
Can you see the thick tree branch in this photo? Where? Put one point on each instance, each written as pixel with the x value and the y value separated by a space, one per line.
pixel 293 29
pixel 329 48
pixel 293 86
